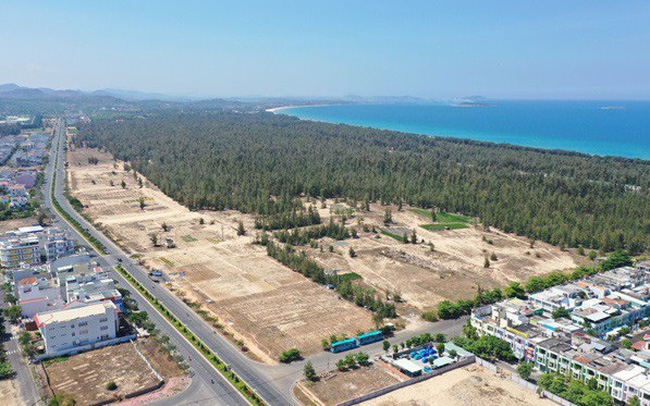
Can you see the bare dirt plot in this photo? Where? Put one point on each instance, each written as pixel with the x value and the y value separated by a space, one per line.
pixel 271 307
pixel 452 270
pixel 9 225
pixel 471 385
pixel 85 376
pixel 9 393
pixel 341 386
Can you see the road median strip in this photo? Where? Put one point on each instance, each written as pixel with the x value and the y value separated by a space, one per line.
pixel 242 387
pixel 223 369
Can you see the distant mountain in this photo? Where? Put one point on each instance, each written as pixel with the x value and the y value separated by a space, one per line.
pixel 135 95
pixel 8 87
pixel 13 91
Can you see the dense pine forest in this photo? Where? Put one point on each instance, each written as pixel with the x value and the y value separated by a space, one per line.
pixel 260 163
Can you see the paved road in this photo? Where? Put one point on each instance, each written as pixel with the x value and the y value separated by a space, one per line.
pixel 221 392
pixel 273 382
pixel 23 378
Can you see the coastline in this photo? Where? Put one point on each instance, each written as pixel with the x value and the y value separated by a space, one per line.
pixel 607 149
pixel 275 110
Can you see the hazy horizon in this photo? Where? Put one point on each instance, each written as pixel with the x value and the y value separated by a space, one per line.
pixel 430 50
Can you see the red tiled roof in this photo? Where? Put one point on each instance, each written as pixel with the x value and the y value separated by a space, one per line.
pixel 28 281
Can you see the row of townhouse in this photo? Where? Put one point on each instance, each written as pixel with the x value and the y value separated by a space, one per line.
pixel 34 245
pixel 599 305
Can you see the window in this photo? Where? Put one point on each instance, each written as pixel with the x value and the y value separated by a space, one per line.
pixel 104 337
pixel 103 328
pixel 83 332
pixel 83 323
pixel 103 319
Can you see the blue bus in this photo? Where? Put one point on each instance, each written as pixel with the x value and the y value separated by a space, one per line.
pixel 371 337
pixel 344 345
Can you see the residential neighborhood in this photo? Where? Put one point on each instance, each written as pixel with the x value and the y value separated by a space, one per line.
pixel 582 330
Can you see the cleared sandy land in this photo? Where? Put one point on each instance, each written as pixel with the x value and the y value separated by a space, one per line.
pixel 271 307
pixel 79 377
pixel 337 387
pixel 471 385
pixel 9 393
pixel 9 225
pixel 452 270
pixel 268 305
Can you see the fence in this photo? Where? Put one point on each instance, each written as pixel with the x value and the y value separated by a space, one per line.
pixel 528 385
pixel 87 347
pixel 400 385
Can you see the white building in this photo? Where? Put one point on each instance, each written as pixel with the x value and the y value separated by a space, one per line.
pixel 38 294
pixel 77 325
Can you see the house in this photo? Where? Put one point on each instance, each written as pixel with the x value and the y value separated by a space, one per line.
pixel 38 294
pixel 77 325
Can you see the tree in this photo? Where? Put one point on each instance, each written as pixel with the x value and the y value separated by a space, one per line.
pixel 535 284
pixel 386 345
pixel 618 259
pixel 11 298
pixel 626 343
pixel 123 183
pixel 440 348
pixel 515 290
pixel 165 227
pixel 352 253
pixel 143 203
pixel 525 369
pixel 395 349
pixel 25 340
pixel 111 386
pixel 5 370
pixel 325 343
pixel 434 217
pixel 493 257
pixel 634 401
pixel 341 364
pixel 405 238
pixel 561 313
pixel 154 239
pixel 453 353
pixel 290 355
pixel 486 263
pixel 388 217
pixel 240 228
pixel 362 358
pixel 309 372
pixel 414 238
pixel 13 312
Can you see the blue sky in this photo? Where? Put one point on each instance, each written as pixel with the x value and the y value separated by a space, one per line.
pixel 433 49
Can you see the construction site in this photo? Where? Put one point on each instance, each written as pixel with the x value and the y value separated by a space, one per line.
pixel 268 306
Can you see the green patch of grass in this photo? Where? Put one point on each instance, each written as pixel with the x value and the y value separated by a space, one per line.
pixel 452 218
pixel 421 212
pixel 444 226
pixel 350 276
pixel 166 261
pixel 188 238
pixel 395 236
pixel 56 360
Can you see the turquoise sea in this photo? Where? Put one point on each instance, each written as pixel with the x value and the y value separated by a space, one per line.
pixel 620 128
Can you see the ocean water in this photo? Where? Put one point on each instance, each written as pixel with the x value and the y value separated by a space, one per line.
pixel 619 128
